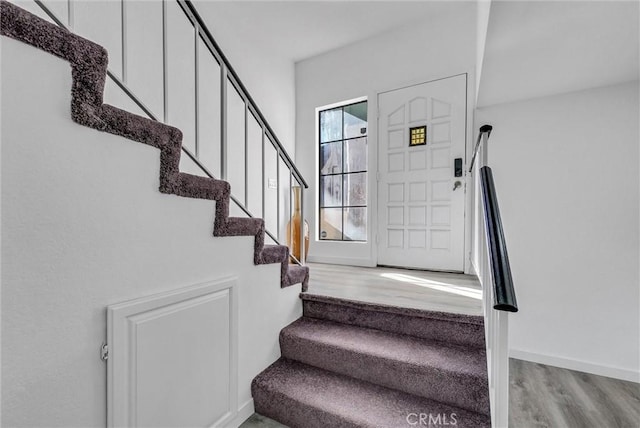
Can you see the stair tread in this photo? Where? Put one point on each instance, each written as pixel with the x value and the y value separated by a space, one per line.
pixel 341 398
pixel 391 346
pixel 398 310
pixel 463 330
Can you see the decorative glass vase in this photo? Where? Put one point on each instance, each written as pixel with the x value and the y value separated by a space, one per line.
pixel 293 228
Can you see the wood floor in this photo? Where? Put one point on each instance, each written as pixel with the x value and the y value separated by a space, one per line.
pixel 546 396
pixel 542 396
pixel 436 291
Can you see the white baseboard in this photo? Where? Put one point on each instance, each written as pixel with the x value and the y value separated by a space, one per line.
pixel 349 261
pixel 244 412
pixel 581 366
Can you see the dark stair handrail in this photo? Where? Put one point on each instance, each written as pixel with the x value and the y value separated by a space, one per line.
pixel 504 296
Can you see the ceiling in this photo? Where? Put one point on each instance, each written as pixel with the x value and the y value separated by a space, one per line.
pixel 296 30
pixel 538 48
pixel 533 48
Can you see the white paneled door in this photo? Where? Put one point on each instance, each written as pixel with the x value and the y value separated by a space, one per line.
pixel 173 358
pixel 421 133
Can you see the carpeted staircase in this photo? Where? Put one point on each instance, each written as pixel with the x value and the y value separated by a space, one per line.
pixel 88 62
pixel 353 364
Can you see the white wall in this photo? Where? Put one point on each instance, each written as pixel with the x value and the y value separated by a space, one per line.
pixel 268 76
pixel 84 226
pixel 482 26
pixel 566 173
pixel 439 47
pixel 541 48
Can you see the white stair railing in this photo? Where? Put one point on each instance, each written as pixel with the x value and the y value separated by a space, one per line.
pixel 494 272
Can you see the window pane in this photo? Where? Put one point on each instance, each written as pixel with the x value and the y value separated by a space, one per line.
pixel 355 120
pixel 331 158
pixel 331 191
pixel 331 125
pixel 355 155
pixel 355 187
pixel 355 224
pixel 331 223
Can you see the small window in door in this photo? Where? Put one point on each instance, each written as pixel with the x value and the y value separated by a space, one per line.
pixel 343 173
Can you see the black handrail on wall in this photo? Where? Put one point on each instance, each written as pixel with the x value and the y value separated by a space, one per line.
pixel 504 294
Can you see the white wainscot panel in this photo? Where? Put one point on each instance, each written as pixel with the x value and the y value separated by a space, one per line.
pixel 173 358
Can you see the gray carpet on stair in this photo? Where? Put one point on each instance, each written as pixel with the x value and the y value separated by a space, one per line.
pixel 438 371
pixel 348 374
pixel 466 330
pixel 303 396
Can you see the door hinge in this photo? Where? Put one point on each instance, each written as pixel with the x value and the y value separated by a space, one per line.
pixel 377 239
pixel 104 352
pixel 377 175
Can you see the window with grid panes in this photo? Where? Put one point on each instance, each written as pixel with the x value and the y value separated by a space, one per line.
pixel 343 173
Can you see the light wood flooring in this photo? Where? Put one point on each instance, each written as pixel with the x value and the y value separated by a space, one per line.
pixel 435 291
pixel 546 396
pixel 542 396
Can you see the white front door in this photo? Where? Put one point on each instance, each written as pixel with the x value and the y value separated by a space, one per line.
pixel 420 200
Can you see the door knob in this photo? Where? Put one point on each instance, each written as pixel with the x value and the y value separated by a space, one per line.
pixel 456 185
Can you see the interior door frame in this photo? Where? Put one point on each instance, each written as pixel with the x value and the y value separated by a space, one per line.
pixel 374 194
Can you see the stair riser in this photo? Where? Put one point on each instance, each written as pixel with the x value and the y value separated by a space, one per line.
pixel 459 333
pixel 306 400
pixel 457 389
pixel 280 407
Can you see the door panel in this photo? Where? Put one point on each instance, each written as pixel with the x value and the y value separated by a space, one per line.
pixel 420 215
pixel 173 358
